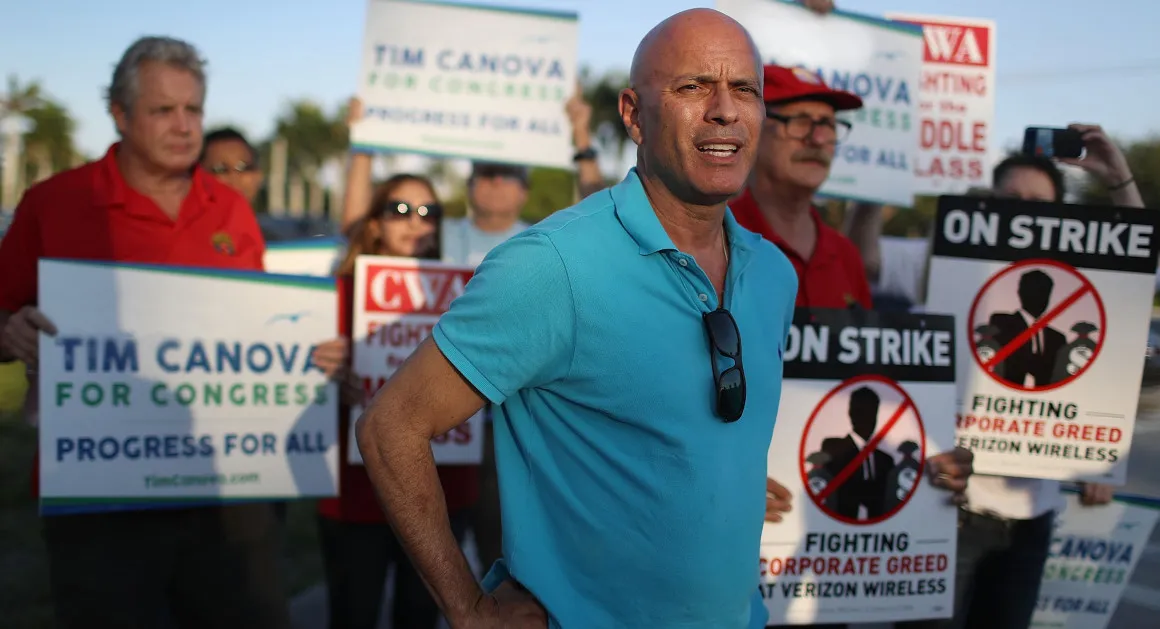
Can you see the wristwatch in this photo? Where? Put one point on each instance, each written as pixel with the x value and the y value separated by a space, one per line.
pixel 586 154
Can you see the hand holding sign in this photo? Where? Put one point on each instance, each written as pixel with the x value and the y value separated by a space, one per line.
pixel 331 357
pixel 1095 494
pixel 951 471
pixel 20 336
pixel 777 500
pixel 821 7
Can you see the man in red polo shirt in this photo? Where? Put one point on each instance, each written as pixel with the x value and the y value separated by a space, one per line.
pixel 793 161
pixel 147 202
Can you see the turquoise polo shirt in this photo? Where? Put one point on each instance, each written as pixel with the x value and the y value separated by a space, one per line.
pixel 626 501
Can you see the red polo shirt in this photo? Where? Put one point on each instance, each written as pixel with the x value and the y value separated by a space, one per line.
pixel 833 277
pixel 357 501
pixel 90 213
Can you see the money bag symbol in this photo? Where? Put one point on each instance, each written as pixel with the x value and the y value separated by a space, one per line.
pixel 986 347
pixel 1074 356
pixel 819 477
pixel 901 480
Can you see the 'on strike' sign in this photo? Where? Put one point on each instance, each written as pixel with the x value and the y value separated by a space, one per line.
pixel 1058 301
pixel 867 396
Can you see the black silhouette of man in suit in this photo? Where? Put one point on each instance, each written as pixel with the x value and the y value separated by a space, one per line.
pixel 866 487
pixel 1037 356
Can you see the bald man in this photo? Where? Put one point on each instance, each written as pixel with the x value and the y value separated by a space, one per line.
pixel 631 456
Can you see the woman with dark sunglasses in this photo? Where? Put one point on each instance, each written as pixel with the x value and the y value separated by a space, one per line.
pixel 358 547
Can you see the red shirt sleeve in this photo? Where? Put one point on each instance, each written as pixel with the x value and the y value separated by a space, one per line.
pixel 861 284
pixel 20 250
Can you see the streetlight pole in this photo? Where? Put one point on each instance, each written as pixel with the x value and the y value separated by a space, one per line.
pixel 13 126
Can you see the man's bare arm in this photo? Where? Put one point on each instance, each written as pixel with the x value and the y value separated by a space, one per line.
pixel 426 397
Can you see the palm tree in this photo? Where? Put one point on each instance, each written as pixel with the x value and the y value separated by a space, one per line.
pixel 18 99
pixel 49 144
pixel 603 94
pixel 312 137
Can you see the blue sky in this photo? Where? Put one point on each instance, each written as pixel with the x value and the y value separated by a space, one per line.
pixel 1059 61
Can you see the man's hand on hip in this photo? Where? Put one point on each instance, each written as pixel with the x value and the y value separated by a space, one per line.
pixel 508 607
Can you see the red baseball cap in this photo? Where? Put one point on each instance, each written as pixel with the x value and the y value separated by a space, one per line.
pixel 784 85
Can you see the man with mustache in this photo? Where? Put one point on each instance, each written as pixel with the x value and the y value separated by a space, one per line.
pixel 798 141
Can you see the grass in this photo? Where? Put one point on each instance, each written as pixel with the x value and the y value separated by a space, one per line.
pixel 13 384
pixel 24 594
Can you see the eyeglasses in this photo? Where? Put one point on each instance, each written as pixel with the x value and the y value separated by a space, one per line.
pixel 240 167
pixel 801 127
pixel 390 210
pixel 725 339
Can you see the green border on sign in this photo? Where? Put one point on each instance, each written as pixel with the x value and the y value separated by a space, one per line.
pixel 326 284
pixel 561 15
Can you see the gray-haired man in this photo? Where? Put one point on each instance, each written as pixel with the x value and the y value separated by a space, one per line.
pixel 146 201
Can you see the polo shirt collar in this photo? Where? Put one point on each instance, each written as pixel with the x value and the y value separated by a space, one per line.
pixel 111 188
pixel 639 219
pixel 749 215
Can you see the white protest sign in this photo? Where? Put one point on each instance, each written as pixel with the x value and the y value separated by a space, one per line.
pixel 468 81
pixel 173 384
pixel 956 103
pixel 1094 552
pixel 397 302
pixel 867 397
pixel 316 256
pixel 876 59
pixel 1055 303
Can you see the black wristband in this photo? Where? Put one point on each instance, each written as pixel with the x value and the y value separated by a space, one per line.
pixel 587 154
pixel 1123 184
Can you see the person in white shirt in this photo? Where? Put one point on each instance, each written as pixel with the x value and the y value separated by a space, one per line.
pixel 496 193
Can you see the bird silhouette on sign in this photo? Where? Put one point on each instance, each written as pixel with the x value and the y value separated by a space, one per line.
pixel 292 317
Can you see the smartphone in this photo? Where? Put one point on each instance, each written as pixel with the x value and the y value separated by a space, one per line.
pixel 1052 143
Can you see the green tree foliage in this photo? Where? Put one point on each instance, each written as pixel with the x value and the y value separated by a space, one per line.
pixel 549 190
pixel 603 94
pixel 312 136
pixel 51 135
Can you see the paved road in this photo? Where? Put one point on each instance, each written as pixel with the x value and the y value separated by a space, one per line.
pixel 1138 607
pixel 1141 601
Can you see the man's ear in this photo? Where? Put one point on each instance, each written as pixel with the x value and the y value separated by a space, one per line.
pixel 630 114
pixel 120 118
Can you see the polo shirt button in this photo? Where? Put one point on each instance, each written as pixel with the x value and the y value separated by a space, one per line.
pixel 703 297
pixel 683 262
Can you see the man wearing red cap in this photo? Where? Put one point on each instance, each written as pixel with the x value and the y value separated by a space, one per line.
pixel 797 146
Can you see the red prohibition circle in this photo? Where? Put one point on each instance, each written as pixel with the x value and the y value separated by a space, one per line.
pixel 845 384
pixel 1084 282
